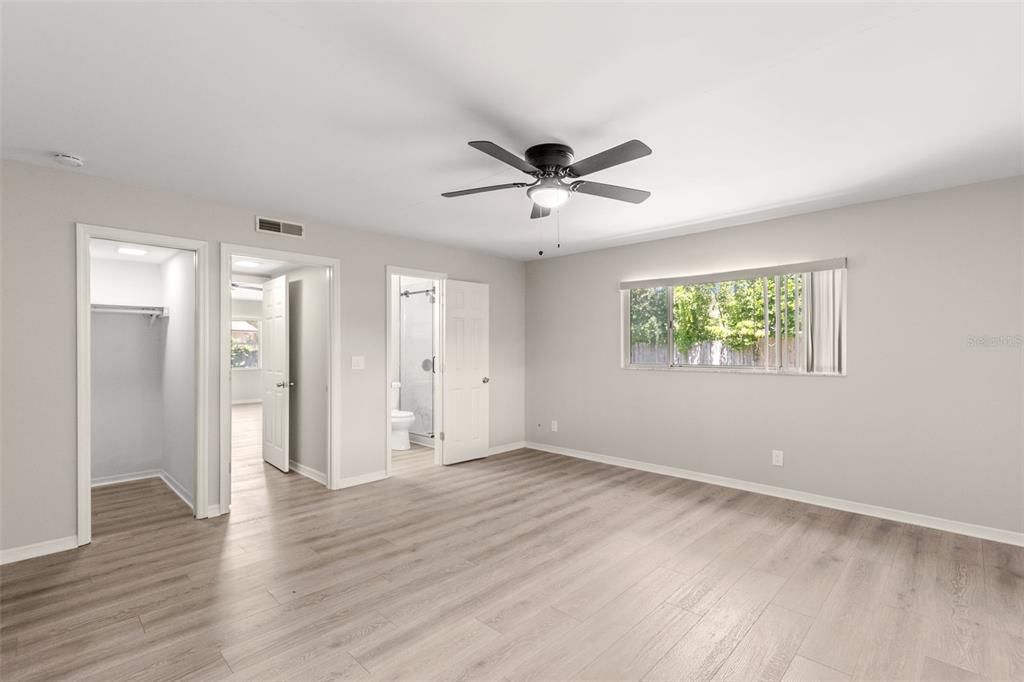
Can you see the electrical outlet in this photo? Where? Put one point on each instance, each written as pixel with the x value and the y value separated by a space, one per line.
pixel 777 457
pixel 554 425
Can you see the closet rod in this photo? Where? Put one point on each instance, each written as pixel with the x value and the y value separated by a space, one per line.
pixel 152 311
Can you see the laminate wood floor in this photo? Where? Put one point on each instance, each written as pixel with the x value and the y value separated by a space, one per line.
pixel 523 566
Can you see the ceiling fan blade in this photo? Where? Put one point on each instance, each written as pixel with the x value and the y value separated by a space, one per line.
pixel 627 151
pixel 477 190
pixel 599 189
pixel 539 211
pixel 502 155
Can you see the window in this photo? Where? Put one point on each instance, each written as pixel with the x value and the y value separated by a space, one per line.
pixel 790 319
pixel 245 344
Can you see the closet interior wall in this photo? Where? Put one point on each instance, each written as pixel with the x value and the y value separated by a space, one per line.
pixel 143 372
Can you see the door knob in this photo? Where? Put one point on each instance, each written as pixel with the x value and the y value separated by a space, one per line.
pixel 283 384
pixel 487 380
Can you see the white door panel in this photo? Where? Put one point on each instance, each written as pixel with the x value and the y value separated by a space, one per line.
pixel 274 373
pixel 466 368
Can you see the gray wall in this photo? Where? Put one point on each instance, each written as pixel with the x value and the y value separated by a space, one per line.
pixel 121 282
pixel 179 369
pixel 39 210
pixel 308 312
pixel 925 421
pixel 127 394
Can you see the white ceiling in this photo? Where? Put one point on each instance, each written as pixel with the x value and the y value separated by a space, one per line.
pixel 359 114
pixel 105 249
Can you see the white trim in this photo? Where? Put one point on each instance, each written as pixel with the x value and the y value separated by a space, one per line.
pixel 168 480
pixel 9 556
pixel 213 511
pixel 750 273
pixel 425 441
pixel 507 447
pixel 371 477
pixel 125 478
pixel 309 472
pixel 250 401
pixel 177 488
pixel 84 233
pixel 984 532
pixel 391 271
pixel 333 265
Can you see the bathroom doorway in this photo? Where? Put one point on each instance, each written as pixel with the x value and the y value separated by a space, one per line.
pixel 438 361
pixel 414 369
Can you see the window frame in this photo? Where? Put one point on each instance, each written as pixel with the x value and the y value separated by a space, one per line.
pixel 259 343
pixel 671 283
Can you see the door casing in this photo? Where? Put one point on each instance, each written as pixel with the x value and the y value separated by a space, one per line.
pixel 85 233
pixel 335 479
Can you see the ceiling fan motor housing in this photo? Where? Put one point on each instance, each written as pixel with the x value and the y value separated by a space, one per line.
pixel 549 155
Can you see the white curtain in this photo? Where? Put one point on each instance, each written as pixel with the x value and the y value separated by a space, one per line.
pixel 825 320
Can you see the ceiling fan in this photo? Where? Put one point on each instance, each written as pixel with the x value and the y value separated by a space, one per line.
pixel 556 174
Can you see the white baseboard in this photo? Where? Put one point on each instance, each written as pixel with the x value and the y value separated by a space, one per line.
pixel 984 532
pixel 507 447
pixel 360 480
pixel 177 488
pixel 124 478
pixel 249 401
pixel 308 472
pixel 421 440
pixel 212 510
pixel 168 480
pixel 9 556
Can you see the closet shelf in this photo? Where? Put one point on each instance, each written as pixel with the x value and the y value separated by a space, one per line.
pixel 152 311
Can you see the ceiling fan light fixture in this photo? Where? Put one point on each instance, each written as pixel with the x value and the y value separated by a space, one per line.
pixel 549 193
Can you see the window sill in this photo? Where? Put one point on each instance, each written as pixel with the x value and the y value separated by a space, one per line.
pixel 729 370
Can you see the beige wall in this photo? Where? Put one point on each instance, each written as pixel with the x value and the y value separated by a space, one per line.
pixel 40 207
pixel 925 421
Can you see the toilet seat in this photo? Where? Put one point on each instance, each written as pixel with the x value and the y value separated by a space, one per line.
pixel 401 414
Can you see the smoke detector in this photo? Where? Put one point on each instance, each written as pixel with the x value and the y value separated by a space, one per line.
pixel 69 160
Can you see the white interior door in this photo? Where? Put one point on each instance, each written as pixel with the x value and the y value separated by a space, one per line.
pixel 274 375
pixel 466 365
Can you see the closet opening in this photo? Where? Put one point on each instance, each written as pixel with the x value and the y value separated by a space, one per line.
pixel 140 413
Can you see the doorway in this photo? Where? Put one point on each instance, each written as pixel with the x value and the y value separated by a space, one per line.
pixel 141 357
pixel 437 357
pixel 280 345
pixel 414 370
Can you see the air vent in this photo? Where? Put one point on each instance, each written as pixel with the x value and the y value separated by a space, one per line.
pixel 279 227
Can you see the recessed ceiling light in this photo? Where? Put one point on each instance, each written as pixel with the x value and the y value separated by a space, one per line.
pixel 248 264
pixel 69 160
pixel 131 251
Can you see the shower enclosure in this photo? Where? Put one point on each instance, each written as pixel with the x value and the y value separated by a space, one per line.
pixel 417 354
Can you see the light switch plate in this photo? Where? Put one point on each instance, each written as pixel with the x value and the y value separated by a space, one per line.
pixel 358 362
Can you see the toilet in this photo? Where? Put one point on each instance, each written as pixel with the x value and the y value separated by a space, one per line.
pixel 401 420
